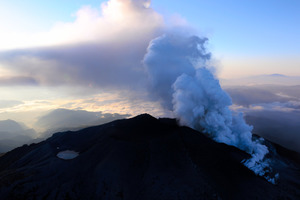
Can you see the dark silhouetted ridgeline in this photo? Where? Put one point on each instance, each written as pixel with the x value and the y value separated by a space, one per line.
pixel 140 158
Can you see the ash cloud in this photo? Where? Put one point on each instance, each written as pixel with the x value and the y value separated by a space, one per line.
pixel 180 76
pixel 166 60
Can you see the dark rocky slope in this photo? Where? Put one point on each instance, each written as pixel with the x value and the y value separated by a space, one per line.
pixel 138 159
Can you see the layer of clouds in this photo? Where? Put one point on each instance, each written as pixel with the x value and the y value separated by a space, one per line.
pixel 103 23
pixel 87 65
pixel 280 127
pixel 17 80
pixel 9 103
pixel 291 92
pixel 65 119
pixel 288 106
pixel 101 48
pixel 271 79
pixel 246 96
pixel 273 110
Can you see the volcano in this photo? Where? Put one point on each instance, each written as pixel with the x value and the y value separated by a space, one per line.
pixel 139 159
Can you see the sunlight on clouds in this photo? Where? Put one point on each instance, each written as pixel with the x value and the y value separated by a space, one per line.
pixel 113 19
pixel 77 62
pixel 4 72
pixel 104 102
pixel 113 103
pixel 30 106
pixel 113 10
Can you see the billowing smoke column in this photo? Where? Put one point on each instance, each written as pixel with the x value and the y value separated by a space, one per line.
pixel 182 80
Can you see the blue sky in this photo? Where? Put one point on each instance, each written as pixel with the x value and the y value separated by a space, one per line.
pixel 240 27
pixel 265 32
pixel 244 27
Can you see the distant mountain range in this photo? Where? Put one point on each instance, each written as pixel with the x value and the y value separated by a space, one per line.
pixel 64 119
pixel 141 158
pixel 13 134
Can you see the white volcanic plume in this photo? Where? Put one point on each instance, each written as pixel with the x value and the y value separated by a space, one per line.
pixel 180 77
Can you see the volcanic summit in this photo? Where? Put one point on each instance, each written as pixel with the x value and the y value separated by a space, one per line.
pixel 141 158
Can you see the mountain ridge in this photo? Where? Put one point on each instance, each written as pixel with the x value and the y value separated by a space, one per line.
pixel 137 158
